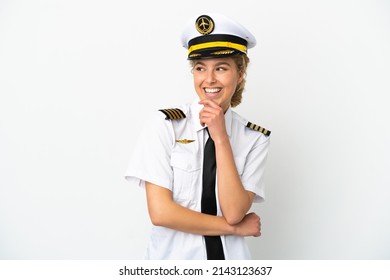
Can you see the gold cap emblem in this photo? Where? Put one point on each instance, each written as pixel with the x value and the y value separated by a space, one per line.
pixel 204 24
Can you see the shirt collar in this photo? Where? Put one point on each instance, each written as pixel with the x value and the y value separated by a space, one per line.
pixel 195 110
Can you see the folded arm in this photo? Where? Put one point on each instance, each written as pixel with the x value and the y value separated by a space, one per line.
pixel 164 211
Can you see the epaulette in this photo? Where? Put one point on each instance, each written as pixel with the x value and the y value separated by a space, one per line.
pixel 258 128
pixel 173 114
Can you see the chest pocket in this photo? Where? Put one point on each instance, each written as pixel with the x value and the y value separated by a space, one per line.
pixel 187 173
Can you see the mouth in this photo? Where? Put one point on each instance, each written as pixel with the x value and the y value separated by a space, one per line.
pixel 212 92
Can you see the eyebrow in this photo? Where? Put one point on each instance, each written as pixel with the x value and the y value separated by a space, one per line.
pixel 217 64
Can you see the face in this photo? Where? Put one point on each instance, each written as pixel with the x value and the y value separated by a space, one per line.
pixel 216 79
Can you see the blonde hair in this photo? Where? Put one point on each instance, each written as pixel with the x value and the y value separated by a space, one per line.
pixel 241 61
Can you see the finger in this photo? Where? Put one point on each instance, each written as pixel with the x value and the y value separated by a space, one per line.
pixel 211 112
pixel 213 109
pixel 208 116
pixel 259 232
pixel 208 102
pixel 204 119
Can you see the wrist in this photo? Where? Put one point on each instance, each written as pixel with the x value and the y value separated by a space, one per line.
pixel 232 229
pixel 221 140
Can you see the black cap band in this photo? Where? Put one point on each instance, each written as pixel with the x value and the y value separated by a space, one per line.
pixel 216 45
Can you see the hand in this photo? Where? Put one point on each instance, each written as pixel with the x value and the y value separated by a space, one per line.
pixel 213 116
pixel 249 226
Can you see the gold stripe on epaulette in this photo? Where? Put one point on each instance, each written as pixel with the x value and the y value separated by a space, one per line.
pixel 258 128
pixel 173 114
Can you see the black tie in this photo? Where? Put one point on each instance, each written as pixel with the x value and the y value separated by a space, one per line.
pixel 209 204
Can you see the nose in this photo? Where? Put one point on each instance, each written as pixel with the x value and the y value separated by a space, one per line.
pixel 210 78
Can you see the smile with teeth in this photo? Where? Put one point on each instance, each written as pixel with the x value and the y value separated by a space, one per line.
pixel 212 90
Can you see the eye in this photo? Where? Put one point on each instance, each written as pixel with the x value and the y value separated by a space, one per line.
pixel 199 68
pixel 221 69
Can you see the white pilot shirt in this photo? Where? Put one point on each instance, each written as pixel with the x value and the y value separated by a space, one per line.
pixel 160 160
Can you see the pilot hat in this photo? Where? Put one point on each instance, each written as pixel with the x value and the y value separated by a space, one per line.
pixel 214 35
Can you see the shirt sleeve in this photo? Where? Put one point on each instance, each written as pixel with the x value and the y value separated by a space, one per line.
pixel 150 160
pixel 253 175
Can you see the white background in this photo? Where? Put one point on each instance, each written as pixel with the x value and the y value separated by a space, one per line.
pixel 77 78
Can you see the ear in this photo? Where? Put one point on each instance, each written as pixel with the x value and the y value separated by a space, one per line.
pixel 241 77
